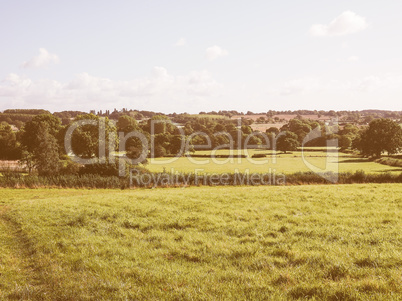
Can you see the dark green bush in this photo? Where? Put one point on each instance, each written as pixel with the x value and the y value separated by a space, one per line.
pixel 101 169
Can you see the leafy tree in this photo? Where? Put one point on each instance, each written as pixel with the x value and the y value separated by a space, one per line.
pixel 27 160
pixel 9 149
pixel 126 124
pixel 69 167
pixel 160 124
pixel 162 140
pixel 273 130
pixel 46 153
pixel 19 124
pixel 349 130
pixel 271 133
pixel 382 135
pixel 135 153
pixel 39 142
pixel 219 139
pixel 86 141
pixel 159 151
pixel 300 127
pixel 133 146
pixel 344 142
pixel 347 136
pixel 32 128
pixel 65 121
pixel 219 128
pixel 247 130
pixel 176 142
pixel 188 129
pixel 252 141
pixel 287 142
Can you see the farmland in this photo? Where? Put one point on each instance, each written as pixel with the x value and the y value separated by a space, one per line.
pixel 328 242
pixel 280 163
pixel 201 150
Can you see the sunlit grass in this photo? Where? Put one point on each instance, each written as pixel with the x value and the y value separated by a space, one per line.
pixel 339 242
pixel 273 162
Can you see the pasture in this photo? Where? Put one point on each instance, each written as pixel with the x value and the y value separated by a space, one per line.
pixel 326 242
pixel 312 160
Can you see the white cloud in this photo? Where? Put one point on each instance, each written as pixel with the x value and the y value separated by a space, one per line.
pixel 349 59
pixel 43 59
pixel 160 72
pixel 155 92
pixel 388 83
pixel 346 23
pixel 201 83
pixel 198 91
pixel 378 83
pixel 353 58
pixel 181 42
pixel 214 52
pixel 295 87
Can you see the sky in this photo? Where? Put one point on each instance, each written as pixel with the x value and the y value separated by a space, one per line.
pixel 192 56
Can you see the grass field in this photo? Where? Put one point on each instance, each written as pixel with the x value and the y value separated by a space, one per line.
pixel 281 163
pixel 335 242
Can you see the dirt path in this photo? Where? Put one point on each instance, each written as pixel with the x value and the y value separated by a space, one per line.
pixel 20 275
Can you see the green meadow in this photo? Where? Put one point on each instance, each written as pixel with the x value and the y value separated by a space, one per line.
pixel 319 242
pixel 311 160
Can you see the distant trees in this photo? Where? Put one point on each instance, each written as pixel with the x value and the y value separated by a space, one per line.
pixel 287 141
pixel 347 136
pixel 167 144
pixel 40 141
pixel 20 115
pixel 344 142
pixel 133 145
pixel 86 139
pixel 272 130
pixel 27 111
pixel 160 124
pixel 300 127
pixel 382 135
pixel 126 124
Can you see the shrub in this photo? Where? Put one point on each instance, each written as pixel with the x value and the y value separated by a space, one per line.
pixel 70 168
pixel 390 161
pixel 101 169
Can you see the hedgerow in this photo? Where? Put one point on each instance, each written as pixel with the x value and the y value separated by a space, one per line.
pixel 142 178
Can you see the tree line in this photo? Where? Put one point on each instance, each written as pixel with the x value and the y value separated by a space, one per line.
pixel 39 144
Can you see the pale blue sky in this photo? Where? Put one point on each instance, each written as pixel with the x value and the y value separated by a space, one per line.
pixel 201 55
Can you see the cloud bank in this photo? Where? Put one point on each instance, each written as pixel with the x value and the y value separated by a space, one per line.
pixel 346 23
pixel 158 91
